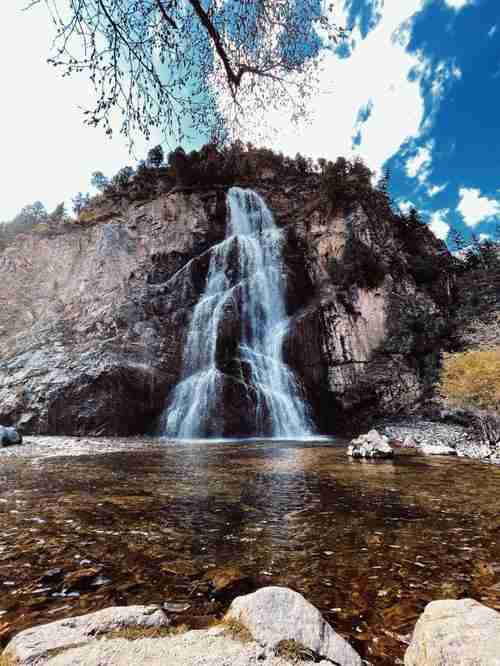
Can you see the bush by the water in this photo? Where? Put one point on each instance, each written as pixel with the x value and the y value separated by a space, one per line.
pixel 472 379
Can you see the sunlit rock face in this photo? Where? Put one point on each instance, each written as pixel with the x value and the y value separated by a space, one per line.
pixel 93 322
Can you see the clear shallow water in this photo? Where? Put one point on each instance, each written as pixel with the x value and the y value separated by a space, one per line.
pixel 368 543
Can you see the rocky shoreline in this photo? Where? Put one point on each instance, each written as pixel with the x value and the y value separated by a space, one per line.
pixel 431 436
pixel 274 625
pixel 425 435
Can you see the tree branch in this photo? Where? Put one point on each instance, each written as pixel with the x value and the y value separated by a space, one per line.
pixel 234 79
pixel 166 17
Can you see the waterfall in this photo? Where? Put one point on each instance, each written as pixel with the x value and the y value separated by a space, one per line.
pixel 233 356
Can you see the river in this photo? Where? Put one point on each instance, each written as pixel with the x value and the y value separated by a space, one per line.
pixel 88 523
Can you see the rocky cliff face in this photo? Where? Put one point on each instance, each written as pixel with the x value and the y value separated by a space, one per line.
pixel 93 321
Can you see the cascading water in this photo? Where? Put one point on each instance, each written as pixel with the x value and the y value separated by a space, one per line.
pixel 245 280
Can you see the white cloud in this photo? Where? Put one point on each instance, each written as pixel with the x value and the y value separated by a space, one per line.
pixel 419 165
pixel 457 5
pixel 492 31
pixel 405 206
pixel 377 73
pixel 483 237
pixel 48 154
pixel 476 208
pixel 445 72
pixel 438 226
pixel 436 189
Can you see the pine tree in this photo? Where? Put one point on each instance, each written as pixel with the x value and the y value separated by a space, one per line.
pixel 99 181
pixel 155 157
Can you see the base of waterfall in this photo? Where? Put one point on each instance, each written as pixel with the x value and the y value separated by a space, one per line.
pixel 274 626
pixel 250 440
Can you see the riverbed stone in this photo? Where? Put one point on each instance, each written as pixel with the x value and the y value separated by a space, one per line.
pixel 370 445
pixel 455 633
pixel 229 581
pixel 9 436
pixel 34 646
pixel 275 614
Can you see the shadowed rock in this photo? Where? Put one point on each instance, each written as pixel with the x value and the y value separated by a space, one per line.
pixel 9 436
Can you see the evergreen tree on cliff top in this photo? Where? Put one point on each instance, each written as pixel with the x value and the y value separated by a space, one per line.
pixel 169 64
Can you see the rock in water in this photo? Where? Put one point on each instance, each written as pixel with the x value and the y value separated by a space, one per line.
pixel 276 614
pixel 34 646
pixel 9 436
pixel 455 633
pixel 228 581
pixel 370 445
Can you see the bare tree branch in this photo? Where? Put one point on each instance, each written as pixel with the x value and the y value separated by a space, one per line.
pixel 169 65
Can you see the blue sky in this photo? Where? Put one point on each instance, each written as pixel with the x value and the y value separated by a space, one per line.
pixel 459 184
pixel 416 88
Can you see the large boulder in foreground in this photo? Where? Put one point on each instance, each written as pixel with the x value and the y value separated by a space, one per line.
pixel 276 614
pixel 370 445
pixel 9 436
pixel 455 633
pixel 254 632
pixel 36 645
pixel 211 647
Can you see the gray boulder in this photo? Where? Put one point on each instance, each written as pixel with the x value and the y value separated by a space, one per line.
pixel 275 614
pixel 370 445
pixel 210 647
pixel 9 436
pixel 455 633
pixel 270 616
pixel 34 646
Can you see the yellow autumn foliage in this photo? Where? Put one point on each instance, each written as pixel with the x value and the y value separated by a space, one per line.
pixel 472 379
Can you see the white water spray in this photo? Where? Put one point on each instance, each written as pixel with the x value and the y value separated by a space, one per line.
pixel 245 274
